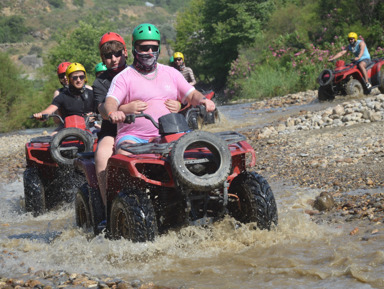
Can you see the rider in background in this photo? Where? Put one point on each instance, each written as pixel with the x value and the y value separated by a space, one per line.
pixel 185 71
pixel 62 77
pixel 147 86
pixel 361 53
pixel 100 68
pixel 76 100
pixel 113 53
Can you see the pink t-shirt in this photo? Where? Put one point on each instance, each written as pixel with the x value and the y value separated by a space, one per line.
pixel 130 85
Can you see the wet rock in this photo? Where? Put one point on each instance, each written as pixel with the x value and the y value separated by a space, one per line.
pixel 324 202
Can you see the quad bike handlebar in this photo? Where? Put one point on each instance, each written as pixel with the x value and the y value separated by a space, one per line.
pixel 131 118
pixel 86 117
pixel 47 116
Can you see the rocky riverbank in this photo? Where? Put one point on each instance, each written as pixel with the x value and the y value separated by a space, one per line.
pixel 337 150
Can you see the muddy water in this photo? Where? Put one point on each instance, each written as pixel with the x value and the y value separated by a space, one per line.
pixel 297 254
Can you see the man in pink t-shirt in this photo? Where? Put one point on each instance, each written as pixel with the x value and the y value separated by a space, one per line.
pixel 147 86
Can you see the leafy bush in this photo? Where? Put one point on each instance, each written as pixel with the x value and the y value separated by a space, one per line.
pixel 79 3
pixel 12 29
pixel 56 3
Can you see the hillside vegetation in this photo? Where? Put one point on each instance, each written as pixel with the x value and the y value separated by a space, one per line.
pixel 240 48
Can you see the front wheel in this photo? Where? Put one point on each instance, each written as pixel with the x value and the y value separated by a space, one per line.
pixel 252 200
pixel 82 212
pixel 34 192
pixel 324 94
pixel 133 217
pixel 381 84
pixel 354 88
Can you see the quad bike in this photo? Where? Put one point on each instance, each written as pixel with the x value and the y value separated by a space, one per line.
pixel 348 79
pixel 49 176
pixel 197 116
pixel 178 179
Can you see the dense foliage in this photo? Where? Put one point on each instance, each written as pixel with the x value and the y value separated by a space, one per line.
pixel 245 48
pixel 12 29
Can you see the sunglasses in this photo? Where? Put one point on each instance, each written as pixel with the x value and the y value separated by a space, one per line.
pixel 145 48
pixel 61 75
pixel 116 54
pixel 178 59
pixel 81 77
pixel 349 39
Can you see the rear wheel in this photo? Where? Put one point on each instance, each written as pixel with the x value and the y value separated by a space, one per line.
pixel 252 200
pixel 354 88
pixel 34 193
pixel 133 217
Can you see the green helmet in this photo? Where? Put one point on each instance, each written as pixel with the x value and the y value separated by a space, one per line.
pixel 145 31
pixel 100 67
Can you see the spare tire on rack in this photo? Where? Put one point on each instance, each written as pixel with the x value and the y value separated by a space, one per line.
pixel 325 78
pixel 68 142
pixel 205 169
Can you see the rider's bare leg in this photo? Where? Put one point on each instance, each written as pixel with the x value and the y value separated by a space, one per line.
pixel 362 66
pixel 103 153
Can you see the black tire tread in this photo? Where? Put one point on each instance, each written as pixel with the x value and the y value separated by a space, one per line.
pixel 256 199
pixel 187 178
pixel 139 214
pixel 34 193
pixel 77 133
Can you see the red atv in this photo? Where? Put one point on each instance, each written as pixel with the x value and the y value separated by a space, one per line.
pixel 198 116
pixel 49 174
pixel 348 79
pixel 181 178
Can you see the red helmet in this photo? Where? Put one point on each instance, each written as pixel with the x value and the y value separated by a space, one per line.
pixel 111 36
pixel 62 67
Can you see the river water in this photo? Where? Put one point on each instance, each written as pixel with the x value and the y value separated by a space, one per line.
pixel 298 253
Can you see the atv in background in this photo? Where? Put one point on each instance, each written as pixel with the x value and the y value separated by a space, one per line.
pixel 49 176
pixel 347 79
pixel 179 179
pixel 197 116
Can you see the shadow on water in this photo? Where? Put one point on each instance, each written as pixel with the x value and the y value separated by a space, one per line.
pixel 46 237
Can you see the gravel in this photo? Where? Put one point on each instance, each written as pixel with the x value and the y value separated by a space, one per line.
pixel 339 151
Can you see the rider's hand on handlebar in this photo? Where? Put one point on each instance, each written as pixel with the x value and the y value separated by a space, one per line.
pixel 117 116
pixel 38 115
pixel 209 104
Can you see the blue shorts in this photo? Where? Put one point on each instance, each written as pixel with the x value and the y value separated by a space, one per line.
pixel 131 138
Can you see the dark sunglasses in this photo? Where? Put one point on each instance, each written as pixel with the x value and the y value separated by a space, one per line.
pixel 349 39
pixel 178 59
pixel 145 48
pixel 81 77
pixel 61 75
pixel 116 54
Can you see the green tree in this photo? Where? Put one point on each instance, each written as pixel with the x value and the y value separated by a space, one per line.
pixel 222 27
pixel 15 96
pixel 80 45
pixel 12 29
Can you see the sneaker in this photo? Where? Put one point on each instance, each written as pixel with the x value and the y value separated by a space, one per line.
pixel 368 85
